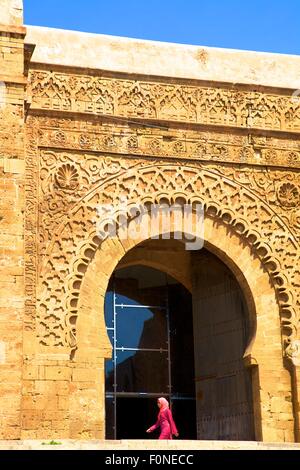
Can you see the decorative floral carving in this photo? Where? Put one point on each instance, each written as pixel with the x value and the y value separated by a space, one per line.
pixel 179 147
pixel 84 140
pixel 133 142
pixel 270 156
pixel 220 152
pixel 288 195
pixel 60 137
pixel 247 153
pixel 109 141
pixel 293 157
pixel 295 219
pixel 155 145
pixel 201 148
pixel 67 177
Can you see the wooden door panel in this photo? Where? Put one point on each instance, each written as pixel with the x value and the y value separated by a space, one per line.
pixel 223 385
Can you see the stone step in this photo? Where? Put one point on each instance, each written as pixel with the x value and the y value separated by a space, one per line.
pixel 144 445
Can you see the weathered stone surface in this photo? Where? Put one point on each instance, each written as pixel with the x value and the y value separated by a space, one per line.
pixel 96 51
pixel 12 206
pixel 11 12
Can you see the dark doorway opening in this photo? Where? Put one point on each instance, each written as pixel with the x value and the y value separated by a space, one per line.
pixel 186 347
pixel 150 324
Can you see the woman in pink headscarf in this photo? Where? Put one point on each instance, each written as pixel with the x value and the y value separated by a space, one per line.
pixel 164 421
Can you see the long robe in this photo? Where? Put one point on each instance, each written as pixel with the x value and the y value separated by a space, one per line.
pixel 166 424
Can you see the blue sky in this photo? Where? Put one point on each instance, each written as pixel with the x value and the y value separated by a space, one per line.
pixel 259 25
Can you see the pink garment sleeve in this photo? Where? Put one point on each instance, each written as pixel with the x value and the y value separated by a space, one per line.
pixel 155 426
pixel 171 421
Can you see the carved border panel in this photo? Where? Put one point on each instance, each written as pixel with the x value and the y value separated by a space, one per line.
pixel 170 143
pixel 31 222
pixel 151 100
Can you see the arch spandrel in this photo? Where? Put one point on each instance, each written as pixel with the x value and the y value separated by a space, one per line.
pixel 225 201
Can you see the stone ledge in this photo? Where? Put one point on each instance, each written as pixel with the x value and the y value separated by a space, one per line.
pixel 13 29
pixel 18 79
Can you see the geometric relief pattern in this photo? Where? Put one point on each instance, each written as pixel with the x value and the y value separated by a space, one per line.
pixel 279 188
pixel 169 143
pixel 164 101
pixel 30 225
pixel 262 210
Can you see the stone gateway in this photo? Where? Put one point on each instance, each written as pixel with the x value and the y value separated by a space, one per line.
pixel 94 328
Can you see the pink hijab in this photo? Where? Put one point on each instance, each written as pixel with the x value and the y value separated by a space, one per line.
pixel 164 404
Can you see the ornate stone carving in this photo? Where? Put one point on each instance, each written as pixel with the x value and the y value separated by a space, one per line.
pixel 293 352
pixel 67 177
pixel 267 184
pixel 293 158
pixel 133 142
pixel 30 229
pixel 73 183
pixel 218 106
pixel 155 146
pixel 288 195
pixel 69 238
pixel 170 143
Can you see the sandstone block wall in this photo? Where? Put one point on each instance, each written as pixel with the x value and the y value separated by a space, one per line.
pixel 12 298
